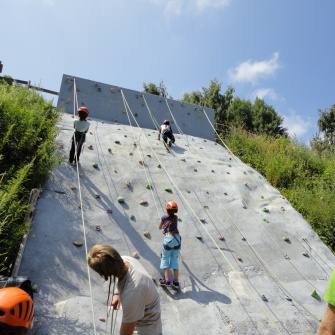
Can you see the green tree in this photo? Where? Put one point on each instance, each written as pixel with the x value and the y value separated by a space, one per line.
pixel 265 119
pixel 240 114
pixel 326 124
pixel 159 90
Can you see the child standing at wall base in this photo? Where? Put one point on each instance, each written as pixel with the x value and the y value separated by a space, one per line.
pixel 81 127
pixel 171 245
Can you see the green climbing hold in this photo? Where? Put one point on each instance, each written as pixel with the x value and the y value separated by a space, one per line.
pixel 315 295
pixel 266 220
pixel 159 166
pixel 148 155
pixel 179 219
pixel 168 190
pixel 306 254
pixel 262 197
pixel 265 210
pixel 286 239
pixel 149 187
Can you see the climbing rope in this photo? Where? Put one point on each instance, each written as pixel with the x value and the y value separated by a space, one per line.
pixel 84 231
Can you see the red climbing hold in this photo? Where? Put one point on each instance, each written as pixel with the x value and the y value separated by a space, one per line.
pixel 97 227
pixel 239 258
pixel 97 196
pixel 221 237
pixel 109 211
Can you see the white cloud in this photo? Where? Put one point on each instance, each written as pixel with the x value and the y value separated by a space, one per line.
pixel 252 71
pixel 176 7
pixel 264 93
pixel 296 124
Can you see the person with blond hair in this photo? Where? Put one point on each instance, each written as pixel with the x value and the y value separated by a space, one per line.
pixel 133 289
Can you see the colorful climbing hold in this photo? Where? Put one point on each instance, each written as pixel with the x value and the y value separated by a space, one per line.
pixel 141 162
pixel 78 243
pixel 149 187
pixel 315 295
pixel 97 227
pixel 120 199
pixel 147 234
pixel 127 182
pixel 265 210
pixel 239 258
pixel 135 255
pixel 109 211
pixel 159 166
pixel 221 238
pixel 286 239
pixel 97 196
pixel 143 202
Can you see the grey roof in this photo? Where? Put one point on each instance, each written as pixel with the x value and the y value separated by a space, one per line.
pixel 252 282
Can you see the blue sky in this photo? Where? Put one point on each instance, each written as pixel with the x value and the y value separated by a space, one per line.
pixel 282 51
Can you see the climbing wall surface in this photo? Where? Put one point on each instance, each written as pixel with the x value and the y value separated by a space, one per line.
pixel 124 106
pixel 249 263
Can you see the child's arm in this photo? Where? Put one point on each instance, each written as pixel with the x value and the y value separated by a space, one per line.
pixel 160 224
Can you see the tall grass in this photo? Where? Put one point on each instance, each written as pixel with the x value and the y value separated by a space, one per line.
pixel 27 153
pixel 300 174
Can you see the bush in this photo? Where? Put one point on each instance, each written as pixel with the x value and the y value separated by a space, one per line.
pixel 27 153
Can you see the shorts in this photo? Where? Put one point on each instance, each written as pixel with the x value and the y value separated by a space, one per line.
pixel 170 257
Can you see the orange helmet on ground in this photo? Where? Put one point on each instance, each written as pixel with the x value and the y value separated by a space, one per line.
pixel 171 206
pixel 83 111
pixel 16 308
pixel 167 122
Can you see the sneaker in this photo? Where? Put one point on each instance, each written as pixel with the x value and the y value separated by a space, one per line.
pixel 170 143
pixel 175 284
pixel 163 282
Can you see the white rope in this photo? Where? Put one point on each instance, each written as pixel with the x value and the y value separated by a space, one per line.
pixel 84 232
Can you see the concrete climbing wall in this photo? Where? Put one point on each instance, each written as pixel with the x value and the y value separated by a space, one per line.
pixel 116 104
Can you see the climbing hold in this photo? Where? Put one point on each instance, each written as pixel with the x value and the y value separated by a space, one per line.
pixel 265 210
pixel 110 150
pixel 264 298
pixel 261 197
pixel 143 202
pixel 306 254
pixel 188 191
pixel 243 238
pixel 179 219
pixel 213 171
pixel 95 166
pixel 229 165
pixel 244 172
pixel 117 142
pixel 97 196
pixel 207 192
pixel 149 187
pixel 288 298
pixel 168 190
pixel 304 238
pixel 102 319
pixel 130 154
pixel 73 188
pixel 205 206
pixel 228 172
pixel 221 238
pixel 120 199
pixel 115 171
pixel 198 237
pixel 286 239
pixel 77 243
pixel 79 206
pixel 195 170
pixel 199 161
pixel 153 279
pixel 315 295
pixel 183 160
pixel 239 258
pixel 97 227
pixel 81 175
pixel 265 220
pixel 159 166
pixel 127 182
pixel 149 156
pixel 109 211
pixel 141 162
pixel 282 208
pixel 135 255
pixel 132 217
pixel 230 158
pixel 134 143
pixel 90 147
pixel 146 234
pixel 202 220
pixel 286 257
pixel 125 135
pixel 225 193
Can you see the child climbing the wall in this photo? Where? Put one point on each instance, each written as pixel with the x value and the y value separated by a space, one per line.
pixel 81 127
pixel 171 245
pixel 166 131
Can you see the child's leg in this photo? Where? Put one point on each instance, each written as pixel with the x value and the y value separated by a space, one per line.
pixel 71 157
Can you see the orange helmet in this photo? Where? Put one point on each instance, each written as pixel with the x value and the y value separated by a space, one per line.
pixel 171 206
pixel 167 122
pixel 16 308
pixel 83 111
